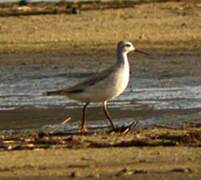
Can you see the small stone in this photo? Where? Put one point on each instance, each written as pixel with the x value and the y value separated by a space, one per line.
pixel 73 174
pixel 183 24
pixel 124 171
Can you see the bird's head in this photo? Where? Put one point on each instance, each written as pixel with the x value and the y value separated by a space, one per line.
pixel 126 47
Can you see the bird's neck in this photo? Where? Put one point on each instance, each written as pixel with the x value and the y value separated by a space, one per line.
pixel 122 58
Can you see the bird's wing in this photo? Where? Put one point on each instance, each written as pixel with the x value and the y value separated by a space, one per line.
pixel 80 87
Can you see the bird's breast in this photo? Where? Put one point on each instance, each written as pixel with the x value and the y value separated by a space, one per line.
pixel 121 80
pixel 115 84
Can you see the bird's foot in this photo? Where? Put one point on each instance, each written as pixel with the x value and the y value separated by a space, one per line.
pixel 125 129
pixel 129 127
pixel 84 130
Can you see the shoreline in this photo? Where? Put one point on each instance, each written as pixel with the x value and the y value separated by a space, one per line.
pixel 172 153
pixel 59 43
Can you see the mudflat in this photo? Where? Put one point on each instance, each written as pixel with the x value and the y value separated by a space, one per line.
pixel 146 153
pixel 40 43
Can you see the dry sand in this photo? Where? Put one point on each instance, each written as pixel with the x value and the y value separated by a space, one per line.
pixel 154 25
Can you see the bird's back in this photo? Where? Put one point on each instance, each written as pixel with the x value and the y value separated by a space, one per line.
pixel 102 86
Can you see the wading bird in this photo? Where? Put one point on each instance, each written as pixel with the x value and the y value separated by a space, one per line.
pixel 103 86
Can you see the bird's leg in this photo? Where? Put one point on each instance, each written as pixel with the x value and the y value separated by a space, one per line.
pixel 83 129
pixel 108 115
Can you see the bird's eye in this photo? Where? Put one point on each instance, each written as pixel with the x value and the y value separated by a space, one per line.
pixel 128 45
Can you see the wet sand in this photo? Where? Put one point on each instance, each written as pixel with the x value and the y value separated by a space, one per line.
pixel 132 162
pixel 57 42
pixel 145 153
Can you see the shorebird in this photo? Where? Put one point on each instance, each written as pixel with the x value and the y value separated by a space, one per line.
pixel 103 86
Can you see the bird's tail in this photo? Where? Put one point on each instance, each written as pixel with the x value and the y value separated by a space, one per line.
pixel 53 93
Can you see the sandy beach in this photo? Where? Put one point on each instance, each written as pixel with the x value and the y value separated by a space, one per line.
pixel 56 42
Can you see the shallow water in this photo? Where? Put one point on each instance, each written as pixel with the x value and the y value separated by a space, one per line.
pixel 174 100
pixel 168 101
pixel 167 94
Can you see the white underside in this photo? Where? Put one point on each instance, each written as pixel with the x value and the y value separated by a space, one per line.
pixel 106 89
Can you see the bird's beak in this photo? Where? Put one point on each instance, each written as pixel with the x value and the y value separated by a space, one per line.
pixel 142 52
pixel 145 53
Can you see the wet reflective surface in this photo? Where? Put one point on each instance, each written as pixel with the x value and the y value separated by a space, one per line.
pixel 150 99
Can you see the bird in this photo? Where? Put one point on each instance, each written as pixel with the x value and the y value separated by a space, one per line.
pixel 104 85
